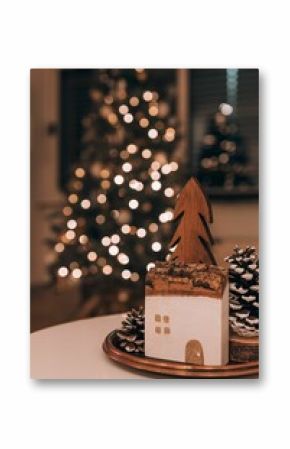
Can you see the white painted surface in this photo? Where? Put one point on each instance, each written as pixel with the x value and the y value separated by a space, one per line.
pixel 190 318
pixel 74 351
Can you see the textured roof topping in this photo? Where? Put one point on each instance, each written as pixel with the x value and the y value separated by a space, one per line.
pixel 196 279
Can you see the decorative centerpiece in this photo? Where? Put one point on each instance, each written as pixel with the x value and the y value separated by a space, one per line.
pixel 186 323
pixel 186 302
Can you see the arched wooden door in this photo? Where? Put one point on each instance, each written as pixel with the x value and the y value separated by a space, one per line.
pixel 194 352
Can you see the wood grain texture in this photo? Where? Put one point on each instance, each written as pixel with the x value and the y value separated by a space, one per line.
pixel 177 369
pixel 244 349
pixel 192 238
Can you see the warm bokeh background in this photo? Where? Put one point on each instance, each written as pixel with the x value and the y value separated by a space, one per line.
pixel 207 120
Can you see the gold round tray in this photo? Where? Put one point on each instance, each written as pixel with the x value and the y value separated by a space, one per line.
pixel 178 369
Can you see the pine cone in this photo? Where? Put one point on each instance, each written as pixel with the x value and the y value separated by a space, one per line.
pixel 244 291
pixel 131 336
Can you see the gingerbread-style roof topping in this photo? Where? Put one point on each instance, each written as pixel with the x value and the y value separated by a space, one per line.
pixel 192 279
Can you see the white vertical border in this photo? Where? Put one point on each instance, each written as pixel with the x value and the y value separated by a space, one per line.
pixel 156 34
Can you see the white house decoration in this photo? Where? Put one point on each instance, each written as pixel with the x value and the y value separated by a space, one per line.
pixel 187 312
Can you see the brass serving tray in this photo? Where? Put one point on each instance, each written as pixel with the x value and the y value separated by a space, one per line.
pixel 178 369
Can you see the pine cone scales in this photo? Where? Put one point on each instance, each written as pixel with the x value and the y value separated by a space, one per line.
pixel 244 291
pixel 131 336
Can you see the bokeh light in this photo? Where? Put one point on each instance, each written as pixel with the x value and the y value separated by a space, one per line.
pixel 59 247
pixel 134 101
pixel 133 204
pixel 150 266
pixel 226 108
pixel 70 235
pixel 107 270
pixel 153 133
pixel 128 118
pixel 147 95
pixel 156 185
pixel 118 179
pixel 156 246
pixel 153 110
pixel 123 258
pixel 126 229
pixel 141 232
pixel 126 274
pixel 85 204
pixel 113 250
pixel 72 224
pixel 106 241
pixel 144 122
pixel 135 277
pixel 174 166
pixel 100 219
pixel 155 175
pixel 132 149
pixel 146 153
pixel 92 256
pixel 101 198
pixel 153 227
pixel 83 239
pixel 67 211
pixel 127 167
pixel 105 184
pixel 76 273
pixel 123 109
pixel 105 173
pixel 115 239
pixel 73 198
pixel 62 272
pixel 166 169
pixel 80 172
pixel 169 192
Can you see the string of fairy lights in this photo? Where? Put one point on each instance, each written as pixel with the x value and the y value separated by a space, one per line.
pixel 130 195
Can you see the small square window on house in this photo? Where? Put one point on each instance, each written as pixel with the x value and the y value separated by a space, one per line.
pixel 166 319
pixel 167 330
pixel 157 317
pixel 158 330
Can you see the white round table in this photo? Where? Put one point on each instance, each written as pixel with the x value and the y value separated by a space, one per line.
pixel 74 351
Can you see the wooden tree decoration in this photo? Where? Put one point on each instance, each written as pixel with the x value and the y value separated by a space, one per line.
pixel 192 237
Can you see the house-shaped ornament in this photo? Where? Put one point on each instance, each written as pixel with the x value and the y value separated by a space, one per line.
pixel 186 297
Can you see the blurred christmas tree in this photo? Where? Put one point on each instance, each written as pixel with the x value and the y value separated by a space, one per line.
pixel 121 193
pixel 222 158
